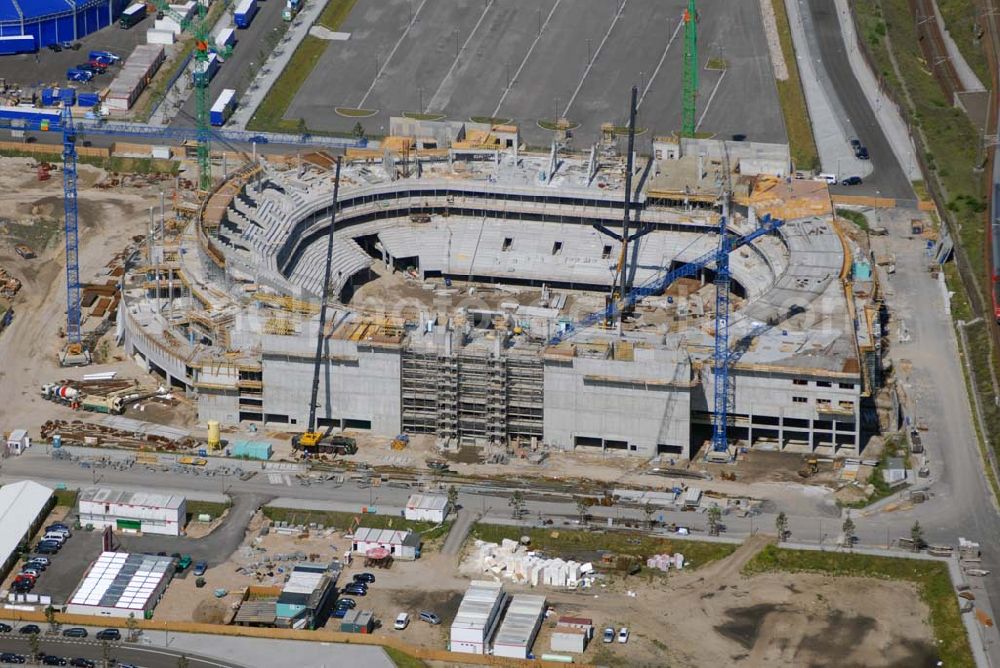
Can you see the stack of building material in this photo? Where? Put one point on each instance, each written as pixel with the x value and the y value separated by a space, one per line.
pixel 134 76
pixel 513 561
pixel 664 562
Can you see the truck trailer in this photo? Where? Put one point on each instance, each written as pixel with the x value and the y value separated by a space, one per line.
pixel 245 11
pixel 132 15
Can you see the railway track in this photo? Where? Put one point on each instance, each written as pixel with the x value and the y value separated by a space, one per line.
pixel 933 47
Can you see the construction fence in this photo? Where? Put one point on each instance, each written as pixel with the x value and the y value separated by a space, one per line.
pixel 425 653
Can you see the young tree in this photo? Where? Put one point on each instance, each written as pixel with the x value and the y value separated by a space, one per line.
pixel 453 497
pixel 781 524
pixel 132 626
pixel 714 519
pixel 848 528
pixel 917 536
pixel 582 509
pixel 300 126
pixel 34 642
pixel 516 503
pixel 648 510
pixel 359 130
pixel 106 654
pixel 50 617
pixel 182 661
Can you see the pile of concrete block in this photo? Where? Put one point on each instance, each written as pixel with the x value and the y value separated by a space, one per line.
pixel 515 562
pixel 664 562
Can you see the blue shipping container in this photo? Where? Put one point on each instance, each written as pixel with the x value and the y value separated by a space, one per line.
pixel 252 449
pixel 88 99
pixel 67 96
pixel 244 13
pixel 37 119
pixel 49 96
pixel 12 44
pixel 223 107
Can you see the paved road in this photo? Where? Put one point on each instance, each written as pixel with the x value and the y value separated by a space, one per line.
pixel 823 28
pixel 147 657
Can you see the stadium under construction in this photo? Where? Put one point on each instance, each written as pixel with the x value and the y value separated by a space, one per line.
pixel 466 271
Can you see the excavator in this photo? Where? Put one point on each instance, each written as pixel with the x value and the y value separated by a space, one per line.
pixel 313 441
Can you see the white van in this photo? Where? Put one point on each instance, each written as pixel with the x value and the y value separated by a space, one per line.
pixel 58 537
pixel 831 179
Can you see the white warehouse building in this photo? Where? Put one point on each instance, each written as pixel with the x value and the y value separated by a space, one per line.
pixel 520 626
pixel 477 618
pixel 119 584
pixel 426 508
pixel 135 512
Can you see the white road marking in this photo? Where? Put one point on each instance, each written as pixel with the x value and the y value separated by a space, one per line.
pixel 710 98
pixel 663 56
pixel 593 59
pixel 526 56
pixel 434 99
pixel 391 54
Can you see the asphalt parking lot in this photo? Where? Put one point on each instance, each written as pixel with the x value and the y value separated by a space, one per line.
pixel 572 58
pixel 48 67
pixel 67 567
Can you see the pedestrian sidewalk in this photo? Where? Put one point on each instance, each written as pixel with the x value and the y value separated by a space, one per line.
pixel 889 117
pixel 835 152
pixel 272 68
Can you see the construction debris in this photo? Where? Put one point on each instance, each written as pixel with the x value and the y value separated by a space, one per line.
pixel 515 562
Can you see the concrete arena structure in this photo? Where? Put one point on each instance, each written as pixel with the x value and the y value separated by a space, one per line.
pixel 52 21
pixel 452 276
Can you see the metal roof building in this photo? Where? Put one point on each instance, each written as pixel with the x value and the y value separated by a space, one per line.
pixel 133 511
pixel 22 509
pixel 520 626
pixel 306 595
pixel 119 584
pixel 402 544
pixel 426 508
pixel 477 618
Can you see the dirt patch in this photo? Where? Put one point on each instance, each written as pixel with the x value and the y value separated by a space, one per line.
pixel 210 611
pixel 744 623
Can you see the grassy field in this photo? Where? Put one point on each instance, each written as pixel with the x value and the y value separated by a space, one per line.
pixel 335 12
pixel 214 510
pixel 930 577
pixel 402 659
pixel 576 542
pixel 793 101
pixel 855 217
pixel 961 18
pixel 330 518
pixel 66 497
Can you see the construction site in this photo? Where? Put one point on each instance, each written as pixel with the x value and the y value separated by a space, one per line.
pixel 483 295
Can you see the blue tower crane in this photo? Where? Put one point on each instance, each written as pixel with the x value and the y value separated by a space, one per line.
pixel 720 367
pixel 74 352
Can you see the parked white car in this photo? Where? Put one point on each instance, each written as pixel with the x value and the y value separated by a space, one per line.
pixel 402 621
pixel 623 635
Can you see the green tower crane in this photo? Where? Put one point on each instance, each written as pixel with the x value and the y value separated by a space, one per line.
pixel 200 29
pixel 689 102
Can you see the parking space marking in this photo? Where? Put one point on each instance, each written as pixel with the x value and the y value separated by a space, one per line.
pixel 663 56
pixel 527 55
pixel 458 56
pixel 378 74
pixel 710 98
pixel 593 58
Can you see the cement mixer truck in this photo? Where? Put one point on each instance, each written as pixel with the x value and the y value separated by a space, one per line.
pixel 63 394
